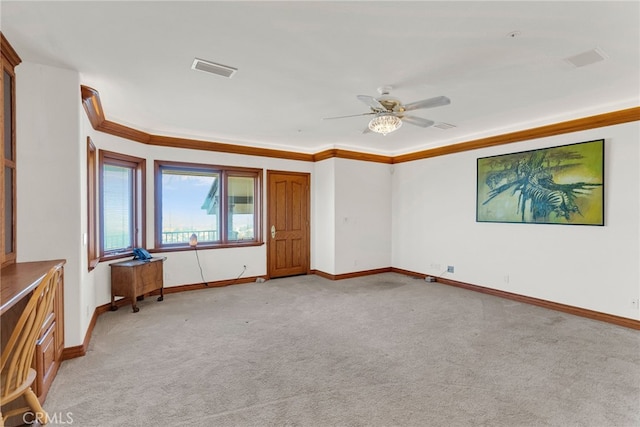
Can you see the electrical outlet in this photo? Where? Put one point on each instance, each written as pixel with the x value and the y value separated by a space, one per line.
pixel 506 278
pixel 635 304
pixel 450 269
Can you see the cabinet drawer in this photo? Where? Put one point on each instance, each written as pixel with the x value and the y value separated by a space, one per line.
pixel 45 359
pixel 48 321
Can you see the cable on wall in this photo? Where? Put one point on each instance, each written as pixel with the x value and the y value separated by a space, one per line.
pixel 193 242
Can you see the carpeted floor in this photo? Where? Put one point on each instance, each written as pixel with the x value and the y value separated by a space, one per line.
pixel 383 350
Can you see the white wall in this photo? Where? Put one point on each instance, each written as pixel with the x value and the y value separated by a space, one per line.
pixel 352 216
pixel 362 216
pixel 49 180
pixel 585 266
pixel 323 183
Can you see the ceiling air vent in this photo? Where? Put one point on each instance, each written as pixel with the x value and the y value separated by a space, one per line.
pixel 586 58
pixel 443 126
pixel 213 68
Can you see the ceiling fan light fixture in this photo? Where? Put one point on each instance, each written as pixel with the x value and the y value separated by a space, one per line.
pixel 385 123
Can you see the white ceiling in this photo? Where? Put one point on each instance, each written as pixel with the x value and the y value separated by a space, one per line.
pixel 300 62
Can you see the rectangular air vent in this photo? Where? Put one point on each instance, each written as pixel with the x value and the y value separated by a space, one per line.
pixel 213 68
pixel 586 58
pixel 443 126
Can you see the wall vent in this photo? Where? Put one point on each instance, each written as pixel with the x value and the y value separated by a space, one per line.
pixel 586 58
pixel 213 68
pixel 443 126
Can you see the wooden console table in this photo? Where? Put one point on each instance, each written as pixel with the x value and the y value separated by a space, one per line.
pixel 135 278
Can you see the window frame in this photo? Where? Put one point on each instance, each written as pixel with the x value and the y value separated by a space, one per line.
pixel 138 165
pixel 92 191
pixel 224 172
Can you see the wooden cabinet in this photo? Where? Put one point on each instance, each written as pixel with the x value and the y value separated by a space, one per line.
pixel 50 344
pixel 45 357
pixel 9 59
pixel 18 282
pixel 135 278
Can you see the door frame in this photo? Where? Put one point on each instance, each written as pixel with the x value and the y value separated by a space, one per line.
pixel 269 219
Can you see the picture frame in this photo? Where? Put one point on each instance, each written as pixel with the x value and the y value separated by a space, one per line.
pixel 556 185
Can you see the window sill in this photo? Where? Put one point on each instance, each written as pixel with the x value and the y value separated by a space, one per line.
pixel 119 255
pixel 229 245
pixel 202 246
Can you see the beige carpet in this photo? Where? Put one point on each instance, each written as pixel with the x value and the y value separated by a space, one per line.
pixel 384 350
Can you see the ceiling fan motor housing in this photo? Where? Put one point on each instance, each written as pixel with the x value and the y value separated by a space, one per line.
pixel 391 104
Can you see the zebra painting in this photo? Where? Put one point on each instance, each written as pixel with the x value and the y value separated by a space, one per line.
pixel 560 185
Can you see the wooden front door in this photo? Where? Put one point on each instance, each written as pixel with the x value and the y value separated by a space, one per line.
pixel 288 236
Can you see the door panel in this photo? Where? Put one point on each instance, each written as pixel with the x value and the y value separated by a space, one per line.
pixel 288 199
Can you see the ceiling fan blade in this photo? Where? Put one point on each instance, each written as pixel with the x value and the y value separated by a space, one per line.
pixel 428 103
pixel 372 102
pixel 418 121
pixel 353 115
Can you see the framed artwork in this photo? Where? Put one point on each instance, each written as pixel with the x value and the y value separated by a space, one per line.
pixel 558 185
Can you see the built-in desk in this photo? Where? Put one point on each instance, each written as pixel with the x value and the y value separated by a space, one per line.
pixel 16 286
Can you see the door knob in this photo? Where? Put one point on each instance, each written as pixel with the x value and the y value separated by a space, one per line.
pixel 273 231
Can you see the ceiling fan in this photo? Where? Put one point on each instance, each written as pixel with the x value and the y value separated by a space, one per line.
pixel 389 112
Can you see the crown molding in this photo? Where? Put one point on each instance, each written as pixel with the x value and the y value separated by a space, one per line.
pixel 591 122
pixel 194 144
pixel 95 113
pixel 351 155
pixel 8 53
pixel 93 108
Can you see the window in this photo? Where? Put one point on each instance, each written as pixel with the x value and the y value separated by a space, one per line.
pixel 122 209
pixel 220 205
